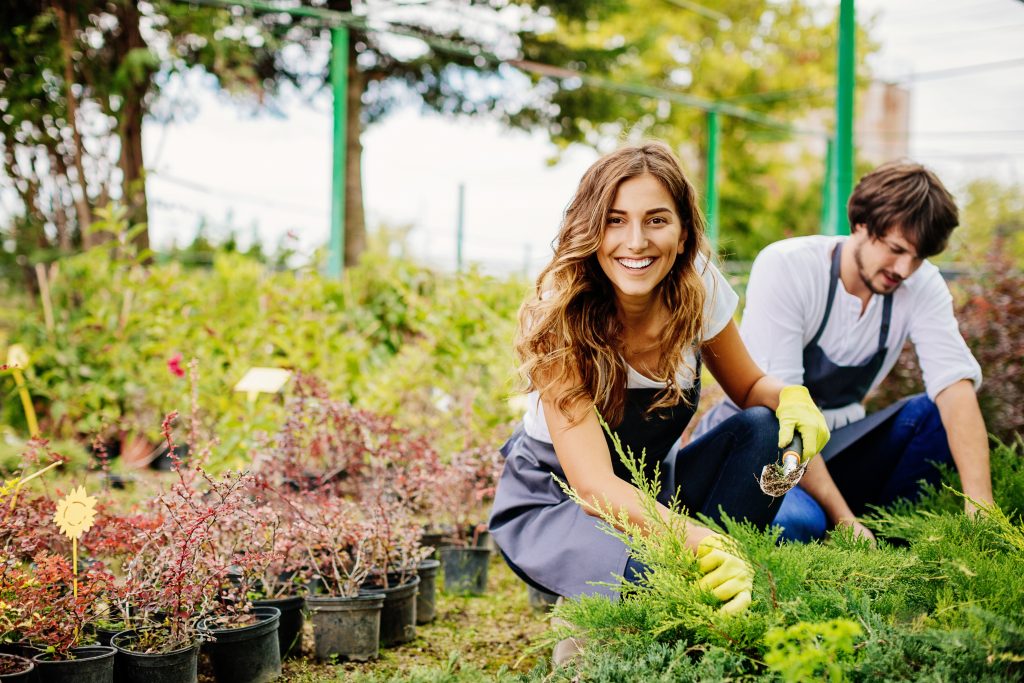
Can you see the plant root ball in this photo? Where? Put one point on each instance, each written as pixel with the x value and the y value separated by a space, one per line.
pixel 775 482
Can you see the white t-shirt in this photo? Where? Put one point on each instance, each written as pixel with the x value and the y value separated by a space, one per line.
pixel 719 307
pixel 786 299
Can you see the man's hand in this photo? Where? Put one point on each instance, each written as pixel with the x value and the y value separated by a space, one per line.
pixel 728 576
pixel 797 411
pixel 859 530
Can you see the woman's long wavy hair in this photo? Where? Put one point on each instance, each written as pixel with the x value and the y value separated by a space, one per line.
pixel 569 327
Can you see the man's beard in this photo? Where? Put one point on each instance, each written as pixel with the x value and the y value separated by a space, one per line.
pixel 862 272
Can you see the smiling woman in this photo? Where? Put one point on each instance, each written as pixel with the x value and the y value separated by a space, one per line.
pixel 620 321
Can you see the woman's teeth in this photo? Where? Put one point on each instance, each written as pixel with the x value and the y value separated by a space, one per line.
pixel 636 264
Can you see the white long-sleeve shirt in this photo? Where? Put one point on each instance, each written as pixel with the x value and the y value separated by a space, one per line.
pixel 786 299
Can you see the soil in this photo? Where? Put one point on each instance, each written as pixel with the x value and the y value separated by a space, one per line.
pixel 9 664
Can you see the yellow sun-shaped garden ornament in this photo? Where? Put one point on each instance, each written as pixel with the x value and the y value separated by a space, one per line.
pixel 76 513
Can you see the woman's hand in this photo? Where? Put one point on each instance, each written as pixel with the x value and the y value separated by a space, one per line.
pixel 797 411
pixel 728 576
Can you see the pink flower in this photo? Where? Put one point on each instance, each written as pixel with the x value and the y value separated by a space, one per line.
pixel 174 365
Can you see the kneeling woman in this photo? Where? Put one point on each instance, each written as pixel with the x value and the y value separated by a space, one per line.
pixel 621 319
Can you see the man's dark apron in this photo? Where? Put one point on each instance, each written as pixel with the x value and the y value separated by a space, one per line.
pixel 546 535
pixel 832 385
pixel 836 386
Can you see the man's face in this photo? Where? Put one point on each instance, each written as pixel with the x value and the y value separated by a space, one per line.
pixel 883 262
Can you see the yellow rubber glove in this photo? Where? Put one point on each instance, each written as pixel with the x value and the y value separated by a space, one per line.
pixel 727 575
pixel 797 411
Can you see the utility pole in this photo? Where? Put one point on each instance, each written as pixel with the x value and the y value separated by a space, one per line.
pixel 844 116
pixel 711 186
pixel 339 88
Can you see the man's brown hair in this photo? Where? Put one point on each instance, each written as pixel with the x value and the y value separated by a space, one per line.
pixel 905 195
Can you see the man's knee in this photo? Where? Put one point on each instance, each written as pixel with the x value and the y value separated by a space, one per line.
pixel 922 417
pixel 922 413
pixel 801 518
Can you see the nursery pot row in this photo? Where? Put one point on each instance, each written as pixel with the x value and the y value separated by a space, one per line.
pixel 247 654
pixel 355 628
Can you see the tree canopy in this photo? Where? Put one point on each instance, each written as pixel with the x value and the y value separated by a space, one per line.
pixel 79 78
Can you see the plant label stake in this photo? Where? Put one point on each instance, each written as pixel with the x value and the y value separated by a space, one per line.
pixel 76 513
pixel 262 381
pixel 17 358
pixel 778 479
pixel 18 483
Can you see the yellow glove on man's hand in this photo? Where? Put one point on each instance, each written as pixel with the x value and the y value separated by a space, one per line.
pixel 727 575
pixel 797 411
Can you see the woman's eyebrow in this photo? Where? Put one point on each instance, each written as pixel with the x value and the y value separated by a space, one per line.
pixel 646 213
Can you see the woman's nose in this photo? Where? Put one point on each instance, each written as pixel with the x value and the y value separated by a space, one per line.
pixel 637 240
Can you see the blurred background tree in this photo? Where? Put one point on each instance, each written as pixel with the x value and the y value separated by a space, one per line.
pixel 991 218
pixel 775 59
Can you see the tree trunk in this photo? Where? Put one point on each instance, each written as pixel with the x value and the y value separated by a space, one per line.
pixel 355 221
pixel 68 29
pixel 133 185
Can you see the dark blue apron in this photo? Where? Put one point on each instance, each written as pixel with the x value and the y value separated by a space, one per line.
pixel 835 386
pixel 832 385
pixel 544 534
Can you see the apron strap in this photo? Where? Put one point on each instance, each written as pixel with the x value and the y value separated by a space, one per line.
pixel 883 335
pixel 833 280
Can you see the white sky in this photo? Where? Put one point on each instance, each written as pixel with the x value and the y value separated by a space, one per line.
pixel 271 175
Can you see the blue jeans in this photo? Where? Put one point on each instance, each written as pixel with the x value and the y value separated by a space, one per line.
pixel 886 464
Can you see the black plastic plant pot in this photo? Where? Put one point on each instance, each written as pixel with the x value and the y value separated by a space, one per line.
pixel 248 654
pixel 482 539
pixel 90 664
pixel 398 614
pixel 289 629
pixel 347 628
pixel 16 668
pixel 436 540
pixel 540 601
pixel 20 648
pixel 104 635
pixel 163 460
pixel 176 666
pixel 465 570
pixel 426 598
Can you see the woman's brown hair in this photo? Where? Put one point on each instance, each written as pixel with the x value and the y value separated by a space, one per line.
pixel 569 328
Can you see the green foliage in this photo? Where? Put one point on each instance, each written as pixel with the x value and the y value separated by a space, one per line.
pixel 808 652
pixel 991 219
pixel 433 350
pixel 941 601
pixel 990 312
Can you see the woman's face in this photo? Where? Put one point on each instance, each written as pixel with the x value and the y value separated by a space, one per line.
pixel 643 235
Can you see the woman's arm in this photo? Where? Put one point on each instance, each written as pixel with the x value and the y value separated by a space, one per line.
pixel 743 381
pixel 584 456
pixel 727 358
